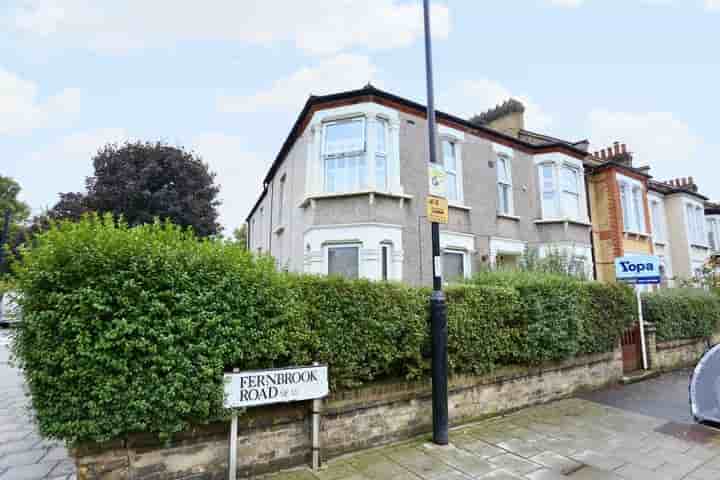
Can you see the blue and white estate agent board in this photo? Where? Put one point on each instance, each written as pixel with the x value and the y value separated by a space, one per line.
pixel 278 385
pixel 639 270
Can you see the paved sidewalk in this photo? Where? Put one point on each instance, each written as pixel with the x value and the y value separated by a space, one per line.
pixel 569 439
pixel 24 455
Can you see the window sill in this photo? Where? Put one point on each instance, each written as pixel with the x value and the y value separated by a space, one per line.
pixel 699 245
pixel 550 221
pixel 322 196
pixel 459 206
pixel 508 217
pixel 660 242
pixel 636 234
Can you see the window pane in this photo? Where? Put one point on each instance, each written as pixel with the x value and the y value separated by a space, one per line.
pixel 568 179
pixel 385 259
pixel 625 204
pixel 345 137
pixel 502 172
pixel 690 222
pixel 381 172
pixel 657 221
pixel 503 198
pixel 449 155
pixel 343 261
pixel 570 205
pixel 638 211
pixel 549 203
pixel 381 135
pixel 453 266
pixel 330 175
pixel 362 173
pixel 452 191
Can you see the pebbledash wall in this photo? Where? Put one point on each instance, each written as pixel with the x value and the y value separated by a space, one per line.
pixel 275 437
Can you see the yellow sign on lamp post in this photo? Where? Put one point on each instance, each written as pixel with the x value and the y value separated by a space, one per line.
pixel 437 210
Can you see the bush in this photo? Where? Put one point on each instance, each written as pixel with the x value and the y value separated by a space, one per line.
pixel 130 329
pixel 607 310
pixel 682 313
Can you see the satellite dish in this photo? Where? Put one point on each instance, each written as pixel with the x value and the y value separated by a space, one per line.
pixel 705 388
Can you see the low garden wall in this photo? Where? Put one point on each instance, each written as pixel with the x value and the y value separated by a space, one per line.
pixel 274 437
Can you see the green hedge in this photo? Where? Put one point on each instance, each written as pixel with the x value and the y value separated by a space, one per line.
pixel 131 329
pixel 682 313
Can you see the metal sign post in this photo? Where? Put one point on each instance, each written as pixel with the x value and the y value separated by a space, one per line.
pixel 639 270
pixel 438 308
pixel 279 385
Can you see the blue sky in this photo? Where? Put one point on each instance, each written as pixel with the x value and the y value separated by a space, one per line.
pixel 227 78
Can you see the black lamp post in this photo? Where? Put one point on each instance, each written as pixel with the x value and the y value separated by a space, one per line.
pixel 438 309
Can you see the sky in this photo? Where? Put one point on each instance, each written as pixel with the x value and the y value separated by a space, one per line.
pixel 227 78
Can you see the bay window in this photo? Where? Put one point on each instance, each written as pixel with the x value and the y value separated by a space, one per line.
pixel 504 185
pixel 344 156
pixel 561 191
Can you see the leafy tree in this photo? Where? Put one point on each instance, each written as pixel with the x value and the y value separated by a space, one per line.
pixel 71 206
pixel 142 181
pixel 17 212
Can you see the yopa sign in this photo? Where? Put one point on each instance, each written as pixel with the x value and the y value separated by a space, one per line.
pixel 639 269
pixel 262 387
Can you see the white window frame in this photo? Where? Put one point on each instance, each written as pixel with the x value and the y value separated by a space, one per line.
pixel 695 223
pixel 465 263
pixel 556 163
pixel 316 166
pixel 632 203
pixel 359 156
pixel 711 230
pixel 381 123
pixel 505 186
pixel 657 217
pixel 563 191
pixel 340 245
pixel 454 173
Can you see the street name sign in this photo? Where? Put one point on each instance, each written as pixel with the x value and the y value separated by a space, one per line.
pixel 638 269
pixel 437 210
pixel 262 387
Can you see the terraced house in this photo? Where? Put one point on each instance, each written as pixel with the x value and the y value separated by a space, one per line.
pixel 347 193
pixel 619 208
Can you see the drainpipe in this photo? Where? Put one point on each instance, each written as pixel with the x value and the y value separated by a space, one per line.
pixel 589 211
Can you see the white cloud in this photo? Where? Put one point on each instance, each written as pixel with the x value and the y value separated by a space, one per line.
pixel 566 3
pixel 658 139
pixel 335 74
pixel 471 97
pixel 712 5
pixel 62 165
pixel 317 27
pixel 22 111
pixel 239 174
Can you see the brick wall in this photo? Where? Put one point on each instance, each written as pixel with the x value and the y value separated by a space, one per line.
pixel 275 437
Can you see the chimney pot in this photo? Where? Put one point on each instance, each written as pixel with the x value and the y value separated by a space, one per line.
pixel 609 152
pixel 616 148
pixel 602 154
pixel 691 180
pixel 623 148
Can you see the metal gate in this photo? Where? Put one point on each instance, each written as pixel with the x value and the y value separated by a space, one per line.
pixel 631 354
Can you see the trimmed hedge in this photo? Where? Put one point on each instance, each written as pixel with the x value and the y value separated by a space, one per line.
pixel 682 313
pixel 130 329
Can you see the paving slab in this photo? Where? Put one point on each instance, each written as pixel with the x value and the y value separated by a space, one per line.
pixel 24 454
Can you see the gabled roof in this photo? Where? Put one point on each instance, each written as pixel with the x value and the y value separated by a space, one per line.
pixel 372 94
